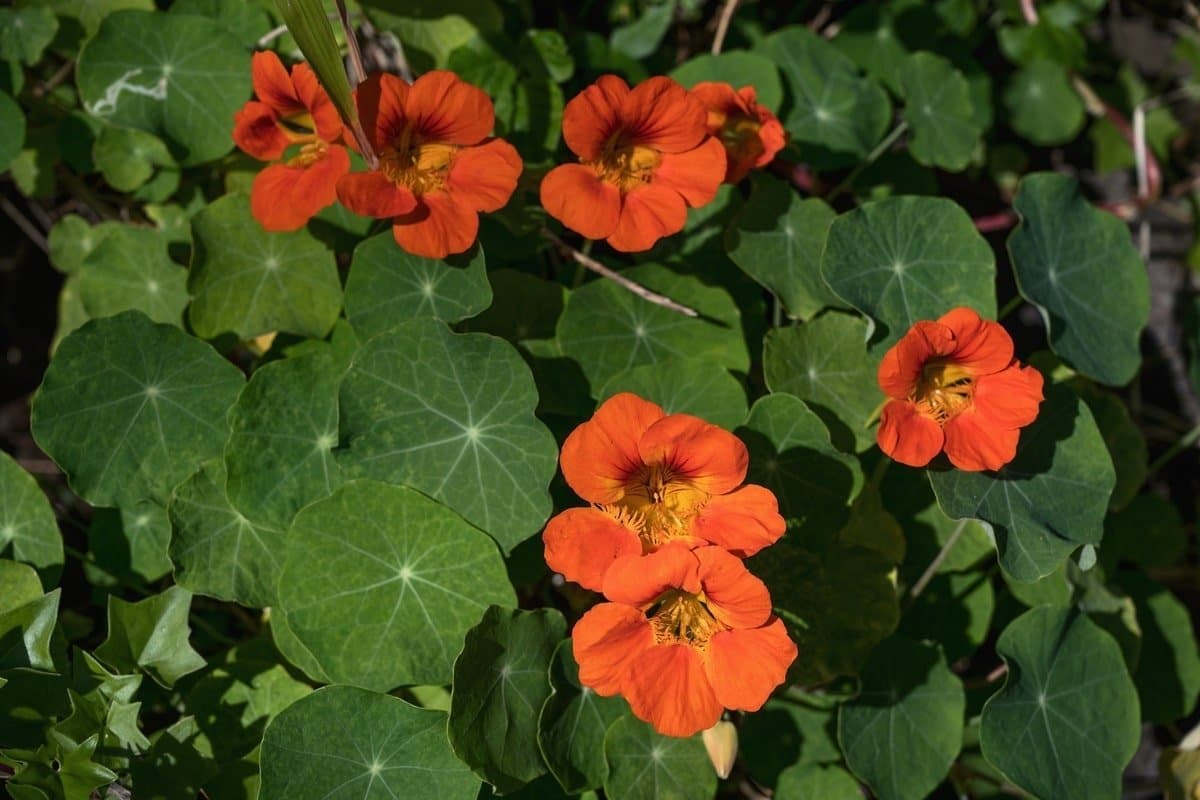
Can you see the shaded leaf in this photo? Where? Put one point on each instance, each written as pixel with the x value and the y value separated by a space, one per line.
pixel 644 765
pixel 738 68
pixel 938 108
pixel 28 529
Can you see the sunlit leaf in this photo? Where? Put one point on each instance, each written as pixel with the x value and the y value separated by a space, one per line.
pixel 151 635
pixel 644 765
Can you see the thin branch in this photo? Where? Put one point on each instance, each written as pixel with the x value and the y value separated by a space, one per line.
pixel 723 21
pixel 879 150
pixel 51 83
pixel 1187 440
pixel 934 565
pixel 271 36
pixel 595 266
pixel 357 73
pixel 1029 11
pixel 22 222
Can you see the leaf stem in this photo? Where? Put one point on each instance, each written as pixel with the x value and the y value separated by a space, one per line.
pixel 1011 306
pixel 879 150
pixel 934 565
pixel 1184 442
pixel 723 21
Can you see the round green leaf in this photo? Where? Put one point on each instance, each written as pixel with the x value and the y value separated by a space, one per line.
pixel 247 21
pixel 525 307
pixel 130 268
pixel 904 729
pixel 177 76
pixel 19 584
pixel 804 781
pixel 251 281
pixel 217 551
pixel 777 239
pixel 380 583
pixel 1042 105
pixel 938 109
pixel 738 68
pixel 500 685
pixel 451 415
pixel 906 259
pixel 151 635
pixel 608 329
pixel 388 285
pixel 340 743
pixel 73 238
pixel 685 386
pixel 129 408
pixel 826 364
pixel 283 429
pixel 1149 532
pixel 1050 499
pixel 572 724
pixel 27 523
pixel 1078 265
pixel 25 634
pixel 1122 437
pixel 127 157
pixel 1066 722
pixel 644 765
pixel 26 32
pixel 12 130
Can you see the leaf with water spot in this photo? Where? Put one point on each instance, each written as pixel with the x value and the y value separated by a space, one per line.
pixel 645 765
pixel 129 408
pixel 451 415
pixel 28 529
pixel 343 743
pixel 251 281
pixel 380 583
pixel 500 685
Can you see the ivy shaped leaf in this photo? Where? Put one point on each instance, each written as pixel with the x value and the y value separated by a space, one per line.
pixel 938 108
pixel 1065 723
pixel 151 635
pixel 27 523
pixel 645 765
pixel 25 634
pixel 500 685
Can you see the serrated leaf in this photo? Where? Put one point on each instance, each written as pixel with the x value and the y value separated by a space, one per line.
pixel 645 765
pixel 129 408
pixel 388 285
pixel 938 108
pixel 380 583
pixel 102 701
pixel 61 768
pixel 251 281
pixel 1050 499
pixel 151 635
pixel 777 238
pixel 816 781
pixel 12 130
pixel 130 268
pixel 500 685
pixel 25 32
pixel 1042 105
pixel 906 259
pixel 1078 265
pixel 25 633
pixel 1066 722
pixel 572 724
pixel 738 68
pixel 904 729
pixel 452 416
pixel 685 386
pixel 27 522
pixel 377 741
pixel 176 76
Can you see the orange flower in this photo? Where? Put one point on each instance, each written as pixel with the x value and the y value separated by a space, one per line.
pixel 654 478
pixel 955 386
pixel 290 110
pixel 438 165
pixel 646 156
pixel 751 134
pixel 687 634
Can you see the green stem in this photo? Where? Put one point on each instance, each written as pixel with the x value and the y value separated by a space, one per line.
pixel 1010 306
pixel 879 150
pixel 934 565
pixel 1184 442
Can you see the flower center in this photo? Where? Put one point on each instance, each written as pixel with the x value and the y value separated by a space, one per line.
pixel 740 134
pixel 626 166
pixel 658 505
pixel 299 127
pixel 680 617
pixel 309 154
pixel 944 390
pixel 422 167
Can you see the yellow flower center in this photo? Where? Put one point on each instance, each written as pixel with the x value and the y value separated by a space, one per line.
pixel 298 127
pixel 420 166
pixel 626 166
pixel 680 617
pixel 309 154
pixel 740 134
pixel 658 505
pixel 944 390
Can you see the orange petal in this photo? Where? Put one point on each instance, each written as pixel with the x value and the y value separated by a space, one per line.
pixel 605 640
pixel 666 685
pixel 648 213
pixel 660 113
pixel 575 196
pixel 735 597
pixel 743 522
pixel 256 131
pixel 745 666
pixel 772 135
pixel 639 580
pixel 1009 398
pixel 705 455
pixel 582 543
pixel 974 443
pixel 438 227
pixel 485 176
pixel 901 366
pixel 720 97
pixel 696 174
pixel 600 455
pixel 907 435
pixel 983 346
pixel 442 107
pixel 314 98
pixel 273 85
pixel 372 194
pixel 381 99
pixel 285 198
pixel 593 116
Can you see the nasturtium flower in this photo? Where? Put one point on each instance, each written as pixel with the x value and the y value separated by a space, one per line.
pixel 645 156
pixel 292 110
pixel 955 386
pixel 686 634
pixel 439 165
pixel 751 134
pixel 654 478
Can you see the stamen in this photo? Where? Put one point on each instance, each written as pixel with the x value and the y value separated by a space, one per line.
pixel 626 166
pixel 419 166
pixel 680 617
pixel 944 390
pixel 658 506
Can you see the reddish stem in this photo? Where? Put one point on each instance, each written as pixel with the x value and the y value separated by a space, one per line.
pixel 1000 221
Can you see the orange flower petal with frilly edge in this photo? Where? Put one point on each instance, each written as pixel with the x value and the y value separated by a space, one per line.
pixel 599 456
pixel 582 543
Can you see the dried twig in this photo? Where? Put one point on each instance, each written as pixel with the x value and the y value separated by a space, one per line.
pixel 1029 11
pixel 723 21
pixel 595 266
pixel 934 565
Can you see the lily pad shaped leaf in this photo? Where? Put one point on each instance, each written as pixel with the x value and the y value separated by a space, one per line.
pixel 644 765
pixel 178 76
pixel 938 108
pixel 451 415
pixel 1066 722
pixel 685 386
pixel 1049 500
pixel 28 530
pixel 906 259
pixel 380 584
pixel 130 268
pixel 1078 265
pixel 737 68
pixel 343 743
pixel 129 408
